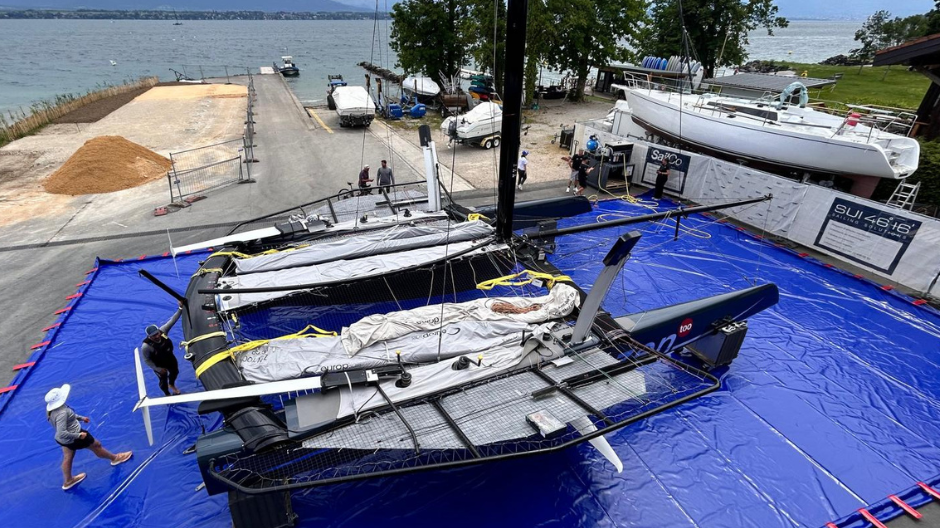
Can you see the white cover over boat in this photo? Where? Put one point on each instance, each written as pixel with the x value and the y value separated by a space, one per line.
pixel 354 105
pixel 486 119
pixel 397 238
pixel 420 335
pixel 339 270
pixel 420 85
pixel 790 136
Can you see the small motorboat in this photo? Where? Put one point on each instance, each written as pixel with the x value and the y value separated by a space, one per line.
pixel 424 88
pixel 289 68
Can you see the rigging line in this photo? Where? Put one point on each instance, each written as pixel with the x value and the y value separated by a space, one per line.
pixel 453 165
pixel 362 151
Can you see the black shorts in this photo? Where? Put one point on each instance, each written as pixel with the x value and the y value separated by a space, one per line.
pixel 582 180
pixel 80 443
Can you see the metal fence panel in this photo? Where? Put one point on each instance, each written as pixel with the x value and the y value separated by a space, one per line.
pixel 205 178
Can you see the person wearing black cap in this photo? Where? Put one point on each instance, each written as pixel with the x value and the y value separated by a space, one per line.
pixel 157 353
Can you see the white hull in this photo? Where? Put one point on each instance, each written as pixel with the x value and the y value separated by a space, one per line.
pixel 354 105
pixel 485 120
pixel 820 149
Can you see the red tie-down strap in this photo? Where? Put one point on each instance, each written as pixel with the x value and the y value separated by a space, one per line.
pixel 905 506
pixel 21 366
pixel 930 491
pixel 39 345
pixel 50 327
pixel 871 518
pixel 8 389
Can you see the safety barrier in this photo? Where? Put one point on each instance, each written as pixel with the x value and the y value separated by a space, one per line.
pixel 201 169
pixel 893 243
pixel 188 183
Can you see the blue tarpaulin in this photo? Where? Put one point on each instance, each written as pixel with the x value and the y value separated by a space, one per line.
pixel 831 406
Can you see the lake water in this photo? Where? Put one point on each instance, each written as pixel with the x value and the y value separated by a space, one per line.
pixel 42 58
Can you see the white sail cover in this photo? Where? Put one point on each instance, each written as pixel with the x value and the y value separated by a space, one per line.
pixel 294 358
pixel 337 270
pixel 559 302
pixel 420 335
pixel 398 238
pixel 421 85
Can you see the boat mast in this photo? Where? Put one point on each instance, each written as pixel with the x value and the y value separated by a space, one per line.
pixel 516 12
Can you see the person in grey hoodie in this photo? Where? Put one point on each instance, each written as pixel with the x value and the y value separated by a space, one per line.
pixel 70 435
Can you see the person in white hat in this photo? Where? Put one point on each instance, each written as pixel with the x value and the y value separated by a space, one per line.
pixel 70 435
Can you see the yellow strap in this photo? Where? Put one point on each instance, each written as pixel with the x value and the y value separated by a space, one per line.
pixel 549 279
pixel 203 271
pixel 475 216
pixel 212 361
pixel 230 254
pixel 309 331
pixel 210 335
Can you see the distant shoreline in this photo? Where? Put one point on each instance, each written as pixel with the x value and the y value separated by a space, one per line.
pixel 103 14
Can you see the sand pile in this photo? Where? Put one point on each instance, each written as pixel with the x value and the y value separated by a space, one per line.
pixel 106 164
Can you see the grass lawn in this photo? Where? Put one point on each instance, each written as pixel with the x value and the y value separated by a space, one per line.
pixel 894 86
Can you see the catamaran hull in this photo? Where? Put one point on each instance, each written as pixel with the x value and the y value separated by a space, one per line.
pixel 769 144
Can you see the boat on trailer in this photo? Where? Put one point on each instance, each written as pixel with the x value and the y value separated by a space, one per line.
pixel 364 336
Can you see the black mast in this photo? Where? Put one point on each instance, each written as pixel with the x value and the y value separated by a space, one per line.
pixel 516 13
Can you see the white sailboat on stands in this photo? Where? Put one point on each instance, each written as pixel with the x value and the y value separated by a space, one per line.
pixel 402 332
pixel 774 132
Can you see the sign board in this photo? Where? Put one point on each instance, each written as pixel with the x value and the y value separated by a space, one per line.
pixel 874 238
pixel 678 168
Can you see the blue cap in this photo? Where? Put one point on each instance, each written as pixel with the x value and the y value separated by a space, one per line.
pixel 152 330
pixel 525 152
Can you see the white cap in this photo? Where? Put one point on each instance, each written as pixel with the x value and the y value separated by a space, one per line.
pixel 366 167
pixel 55 398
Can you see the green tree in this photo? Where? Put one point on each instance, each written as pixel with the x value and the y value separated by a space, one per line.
pixel 880 31
pixel 428 36
pixel 538 29
pixel 717 29
pixel 487 16
pixel 585 33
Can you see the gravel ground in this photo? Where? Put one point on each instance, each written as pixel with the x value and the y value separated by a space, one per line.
pixel 164 119
pixel 478 166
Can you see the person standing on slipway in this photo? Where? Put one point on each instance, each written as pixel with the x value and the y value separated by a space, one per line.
pixel 70 435
pixel 384 175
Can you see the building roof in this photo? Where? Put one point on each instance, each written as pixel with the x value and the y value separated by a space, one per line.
pixel 765 81
pixel 913 51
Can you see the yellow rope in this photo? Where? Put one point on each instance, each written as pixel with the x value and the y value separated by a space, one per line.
pixel 507 280
pixel 203 271
pixel 238 254
pixel 652 206
pixel 251 345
